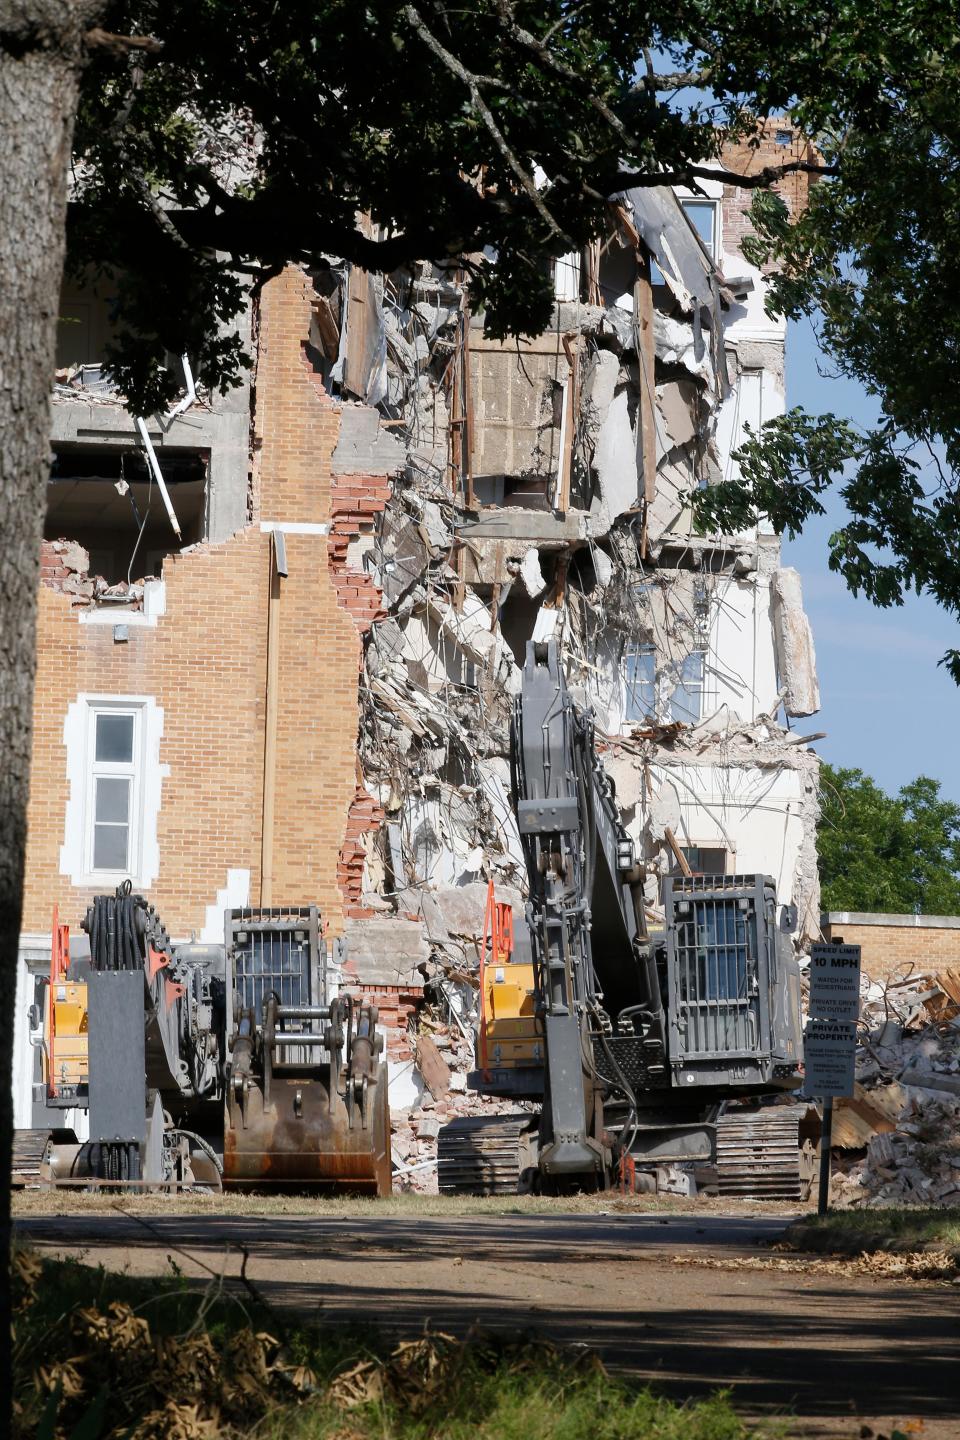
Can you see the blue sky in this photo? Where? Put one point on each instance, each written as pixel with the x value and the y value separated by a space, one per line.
pixel 886 705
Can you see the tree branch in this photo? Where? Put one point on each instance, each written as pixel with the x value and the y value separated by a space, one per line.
pixel 696 79
pixel 121 44
pixel 483 110
pixel 769 175
pixel 559 67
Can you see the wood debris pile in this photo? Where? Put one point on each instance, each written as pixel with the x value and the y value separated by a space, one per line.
pixel 897 1141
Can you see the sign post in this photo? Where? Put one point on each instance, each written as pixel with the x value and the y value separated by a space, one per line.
pixel 830 1039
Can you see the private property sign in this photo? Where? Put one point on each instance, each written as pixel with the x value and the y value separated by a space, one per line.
pixel 835 983
pixel 829 1053
pixel 830 1039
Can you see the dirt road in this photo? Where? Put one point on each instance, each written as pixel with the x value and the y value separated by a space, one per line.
pixel 837 1351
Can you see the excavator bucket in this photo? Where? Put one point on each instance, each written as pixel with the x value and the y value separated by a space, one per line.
pixel 306 1097
pixel 299 1139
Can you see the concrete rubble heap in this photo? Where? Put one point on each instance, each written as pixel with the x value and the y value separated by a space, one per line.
pixel 898 1140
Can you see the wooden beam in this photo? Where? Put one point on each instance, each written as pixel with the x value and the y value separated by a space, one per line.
pixel 643 319
pixel 678 854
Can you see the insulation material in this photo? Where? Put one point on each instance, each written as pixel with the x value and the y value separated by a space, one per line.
pixel 531 575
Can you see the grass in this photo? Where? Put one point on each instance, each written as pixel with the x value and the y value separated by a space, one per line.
pixel 102 1355
pixel 409 1206
pixel 862 1232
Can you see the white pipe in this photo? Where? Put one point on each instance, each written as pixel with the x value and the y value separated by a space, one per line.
pixel 409 1169
pixel 191 394
pixel 154 464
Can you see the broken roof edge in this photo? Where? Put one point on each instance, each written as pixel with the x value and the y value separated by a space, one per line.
pixel 666 231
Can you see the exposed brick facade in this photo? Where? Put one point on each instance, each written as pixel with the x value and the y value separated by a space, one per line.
pixel 398 1007
pixel 745 159
pixel 364 815
pixel 898 944
pixel 205 664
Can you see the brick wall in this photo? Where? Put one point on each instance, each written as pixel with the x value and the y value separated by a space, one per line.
pixel 297 425
pixel 746 160
pixel 891 944
pixel 205 664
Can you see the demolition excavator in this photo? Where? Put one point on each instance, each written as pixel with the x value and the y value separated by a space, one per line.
pixel 208 1065
pixel 632 1043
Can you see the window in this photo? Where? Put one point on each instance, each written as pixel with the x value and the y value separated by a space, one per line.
pixel 704 859
pixel 114 789
pixel 640 680
pixel 686 702
pixel 702 215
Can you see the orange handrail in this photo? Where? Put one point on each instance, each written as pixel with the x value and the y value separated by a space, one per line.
pixel 498 934
pixel 59 965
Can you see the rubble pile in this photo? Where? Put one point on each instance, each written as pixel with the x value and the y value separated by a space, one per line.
pixel 65 565
pixel 444 1056
pixel 897 1141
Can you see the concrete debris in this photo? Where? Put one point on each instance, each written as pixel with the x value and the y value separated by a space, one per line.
pixel 794 641
pixel 364 447
pixel 65 566
pixel 386 951
pixel 898 1140
pixel 531 574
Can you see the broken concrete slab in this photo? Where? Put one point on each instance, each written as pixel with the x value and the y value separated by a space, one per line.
pixel 385 951
pixel 678 403
pixel 531 575
pixel 459 910
pixel 615 458
pixel 364 447
pixel 534 526
pixel 796 657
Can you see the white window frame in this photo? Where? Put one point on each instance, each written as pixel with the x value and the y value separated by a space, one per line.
pixel 713 249
pixel 695 689
pixel 146 771
pixel 132 770
pixel 634 656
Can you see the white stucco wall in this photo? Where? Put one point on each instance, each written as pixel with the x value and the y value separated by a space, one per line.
pixel 756 812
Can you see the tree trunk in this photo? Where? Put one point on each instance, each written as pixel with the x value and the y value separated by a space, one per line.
pixel 41 57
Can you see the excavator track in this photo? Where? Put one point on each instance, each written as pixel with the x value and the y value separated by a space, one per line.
pixel 29 1148
pixel 483 1154
pixel 759 1154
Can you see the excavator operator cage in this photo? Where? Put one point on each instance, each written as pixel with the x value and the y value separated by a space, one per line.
pixel 721 964
pixel 279 951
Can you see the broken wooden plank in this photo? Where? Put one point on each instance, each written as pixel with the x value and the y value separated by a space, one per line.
pixel 432 1066
pixel 949 982
pixel 678 854
pixel 324 330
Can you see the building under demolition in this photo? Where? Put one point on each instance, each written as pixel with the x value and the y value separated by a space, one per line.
pixel 280 632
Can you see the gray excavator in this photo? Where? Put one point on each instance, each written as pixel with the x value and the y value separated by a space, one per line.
pixel 643 1039
pixel 207 1065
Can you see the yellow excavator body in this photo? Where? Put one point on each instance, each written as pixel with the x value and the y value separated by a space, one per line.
pixel 511 1033
pixel 65 1035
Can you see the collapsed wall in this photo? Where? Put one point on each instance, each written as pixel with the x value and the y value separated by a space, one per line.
pixel 545 494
